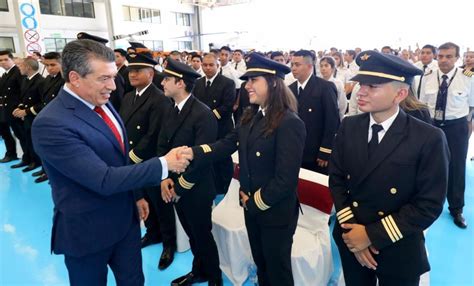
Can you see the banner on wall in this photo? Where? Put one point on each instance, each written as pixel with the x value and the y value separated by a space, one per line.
pixel 30 25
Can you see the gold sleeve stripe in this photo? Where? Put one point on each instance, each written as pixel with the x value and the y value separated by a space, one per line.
pixel 387 229
pixel 216 113
pixel 259 202
pixel 33 111
pixel 349 211
pixel 343 220
pixel 185 184
pixel 343 211
pixel 206 148
pixel 344 215
pixel 395 226
pixel 389 224
pixel 325 150
pixel 134 157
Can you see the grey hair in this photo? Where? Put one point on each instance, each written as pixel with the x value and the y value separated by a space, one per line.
pixel 77 54
pixel 31 63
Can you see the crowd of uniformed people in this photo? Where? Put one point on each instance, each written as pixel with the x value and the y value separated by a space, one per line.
pixel 327 112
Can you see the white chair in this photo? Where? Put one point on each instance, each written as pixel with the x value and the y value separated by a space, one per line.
pixel 311 251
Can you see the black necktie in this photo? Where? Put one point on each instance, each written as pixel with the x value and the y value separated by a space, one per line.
pixel 300 91
pixel 220 71
pixel 374 141
pixel 421 78
pixel 136 98
pixel 236 64
pixel 442 99
pixel 176 110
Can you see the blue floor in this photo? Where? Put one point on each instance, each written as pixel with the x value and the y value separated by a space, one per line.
pixel 25 225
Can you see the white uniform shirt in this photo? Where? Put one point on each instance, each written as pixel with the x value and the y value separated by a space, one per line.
pixel 460 93
pixel 432 67
pixel 343 74
pixel 241 67
pixel 341 96
pixel 229 71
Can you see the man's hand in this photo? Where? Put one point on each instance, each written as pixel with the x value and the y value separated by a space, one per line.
pixel 19 113
pixel 366 258
pixel 143 209
pixel 177 161
pixel 188 153
pixel 356 239
pixel 322 163
pixel 167 191
pixel 243 199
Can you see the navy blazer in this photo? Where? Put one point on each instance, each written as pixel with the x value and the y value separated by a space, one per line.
pixel 90 177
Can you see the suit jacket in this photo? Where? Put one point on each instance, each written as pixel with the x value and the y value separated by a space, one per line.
pixel 31 92
pixel 396 194
pixel 90 176
pixel 194 125
pixel 269 166
pixel 51 88
pixel 116 96
pixel 220 98
pixel 317 107
pixel 10 85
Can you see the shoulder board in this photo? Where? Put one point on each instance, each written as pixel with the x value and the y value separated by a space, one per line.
pixel 468 73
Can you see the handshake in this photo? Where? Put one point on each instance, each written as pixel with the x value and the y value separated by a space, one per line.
pixel 178 159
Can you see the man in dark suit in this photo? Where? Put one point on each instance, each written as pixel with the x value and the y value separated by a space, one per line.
pixel 10 84
pixel 143 112
pixel 83 145
pixel 122 69
pixel 218 93
pixel 29 96
pixel 190 122
pixel 52 84
pixel 388 178
pixel 317 107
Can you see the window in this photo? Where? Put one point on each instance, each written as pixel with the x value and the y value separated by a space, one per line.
pixel 6 43
pixel 4 5
pixel 183 19
pixel 154 45
pixel 56 44
pixel 185 45
pixel 75 8
pixel 145 15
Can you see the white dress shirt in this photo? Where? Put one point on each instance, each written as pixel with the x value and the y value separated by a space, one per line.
pixel 229 71
pixel 386 125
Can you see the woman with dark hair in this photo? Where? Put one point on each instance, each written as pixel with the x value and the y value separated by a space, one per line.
pixel 270 141
pixel 327 67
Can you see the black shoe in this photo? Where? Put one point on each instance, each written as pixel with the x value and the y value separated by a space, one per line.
pixel 30 167
pixel 459 220
pixel 187 280
pixel 38 173
pixel 167 257
pixel 147 241
pixel 7 159
pixel 215 282
pixel 41 178
pixel 19 165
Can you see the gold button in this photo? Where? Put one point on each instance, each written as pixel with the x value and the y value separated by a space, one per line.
pixel 348 176
pixel 214 101
pixel 355 204
pixel 29 97
pixel 310 110
pixel 380 213
pixel 131 142
pixel 348 191
pixel 258 154
pixel 237 143
pixel 138 127
pixel 393 191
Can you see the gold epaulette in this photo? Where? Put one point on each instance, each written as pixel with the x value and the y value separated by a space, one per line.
pixel 468 73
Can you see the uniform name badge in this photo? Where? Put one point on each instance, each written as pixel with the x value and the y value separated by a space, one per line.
pixel 438 114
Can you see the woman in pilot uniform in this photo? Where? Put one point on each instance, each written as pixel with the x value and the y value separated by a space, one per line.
pixel 270 142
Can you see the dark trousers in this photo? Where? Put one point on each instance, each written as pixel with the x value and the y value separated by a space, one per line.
pixel 18 128
pixel 10 144
pixel 164 215
pixel 456 132
pixel 124 258
pixel 32 156
pixel 271 251
pixel 194 213
pixel 223 171
pixel 356 275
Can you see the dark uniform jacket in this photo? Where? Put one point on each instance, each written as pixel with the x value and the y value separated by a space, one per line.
pixel 143 120
pixel 220 98
pixel 194 125
pixel 116 96
pixel 396 194
pixel 123 71
pixel 317 107
pixel 10 85
pixel 51 88
pixel 269 165
pixel 31 92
